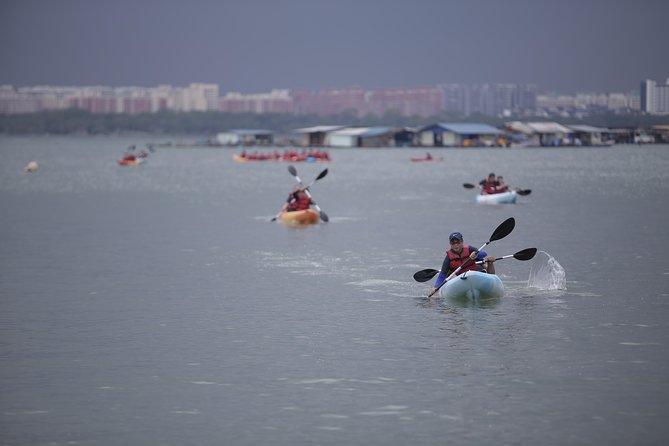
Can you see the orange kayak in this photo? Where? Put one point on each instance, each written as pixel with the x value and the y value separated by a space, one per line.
pixel 135 162
pixel 300 218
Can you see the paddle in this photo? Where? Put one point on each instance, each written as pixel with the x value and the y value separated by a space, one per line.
pixel 320 176
pixel 525 254
pixel 499 233
pixel 468 186
pixel 426 274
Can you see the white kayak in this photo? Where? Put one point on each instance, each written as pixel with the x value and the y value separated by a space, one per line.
pixel 501 198
pixel 473 285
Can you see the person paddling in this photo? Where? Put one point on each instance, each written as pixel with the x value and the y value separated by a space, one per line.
pixel 501 185
pixel 298 200
pixel 129 154
pixel 489 184
pixel 460 254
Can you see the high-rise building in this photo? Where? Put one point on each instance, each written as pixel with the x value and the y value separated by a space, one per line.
pixel 202 97
pixel 277 101
pixel 489 99
pixel 647 96
pixel 654 98
pixel 421 101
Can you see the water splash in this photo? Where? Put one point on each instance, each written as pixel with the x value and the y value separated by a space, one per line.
pixel 546 273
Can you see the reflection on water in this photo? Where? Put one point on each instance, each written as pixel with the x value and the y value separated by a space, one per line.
pixel 464 302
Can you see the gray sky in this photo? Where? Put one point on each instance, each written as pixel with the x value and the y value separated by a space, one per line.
pixel 255 45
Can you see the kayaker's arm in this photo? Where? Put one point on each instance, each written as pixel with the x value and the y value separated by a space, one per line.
pixel 490 264
pixel 442 275
pixel 482 256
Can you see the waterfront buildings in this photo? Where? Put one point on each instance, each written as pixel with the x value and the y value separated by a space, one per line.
pixel 501 100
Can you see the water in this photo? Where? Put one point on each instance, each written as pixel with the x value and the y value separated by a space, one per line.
pixel 158 305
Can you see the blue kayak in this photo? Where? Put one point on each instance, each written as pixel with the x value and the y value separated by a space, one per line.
pixel 501 198
pixel 473 285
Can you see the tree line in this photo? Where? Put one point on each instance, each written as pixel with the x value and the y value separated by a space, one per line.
pixel 76 121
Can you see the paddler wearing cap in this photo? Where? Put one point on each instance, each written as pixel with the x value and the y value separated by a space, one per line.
pixel 489 185
pixel 457 255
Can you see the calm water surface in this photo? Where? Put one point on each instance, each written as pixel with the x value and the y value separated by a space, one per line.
pixel 158 305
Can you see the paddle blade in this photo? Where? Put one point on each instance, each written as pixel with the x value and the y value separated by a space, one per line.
pixel 292 170
pixel 321 175
pixel 425 275
pixel 524 192
pixel 468 186
pixel 324 217
pixel 525 254
pixel 504 229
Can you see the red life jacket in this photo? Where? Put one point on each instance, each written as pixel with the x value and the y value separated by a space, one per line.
pixel 455 260
pixel 299 203
pixel 489 187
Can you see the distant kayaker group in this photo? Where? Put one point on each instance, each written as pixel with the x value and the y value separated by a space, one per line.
pixel 292 155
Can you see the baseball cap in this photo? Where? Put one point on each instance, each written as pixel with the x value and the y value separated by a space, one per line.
pixel 455 236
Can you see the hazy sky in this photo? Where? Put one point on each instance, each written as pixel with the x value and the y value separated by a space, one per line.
pixel 253 46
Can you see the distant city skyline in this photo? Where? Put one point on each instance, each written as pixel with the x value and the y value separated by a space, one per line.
pixel 467 99
pixel 632 88
pixel 253 46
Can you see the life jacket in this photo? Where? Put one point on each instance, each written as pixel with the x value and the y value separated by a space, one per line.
pixel 488 187
pixel 455 260
pixel 299 203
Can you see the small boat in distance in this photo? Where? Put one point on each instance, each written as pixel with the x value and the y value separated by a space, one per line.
pixel 131 162
pixel 428 157
pixel 31 167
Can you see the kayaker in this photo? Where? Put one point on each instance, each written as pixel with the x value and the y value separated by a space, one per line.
pixel 458 255
pixel 489 184
pixel 129 154
pixel 501 185
pixel 298 200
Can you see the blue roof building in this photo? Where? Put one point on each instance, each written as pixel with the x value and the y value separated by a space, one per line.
pixel 444 134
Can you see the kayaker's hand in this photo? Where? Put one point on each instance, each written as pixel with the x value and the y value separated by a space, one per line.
pixel 490 259
pixel 473 255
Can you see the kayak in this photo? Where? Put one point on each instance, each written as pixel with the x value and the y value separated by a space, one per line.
pixel 473 285
pixel 300 218
pixel 135 162
pixel 418 160
pixel 501 198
